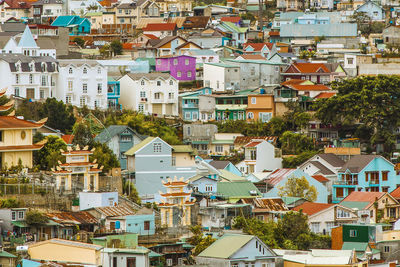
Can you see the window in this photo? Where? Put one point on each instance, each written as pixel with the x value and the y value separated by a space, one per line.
pixel 126 138
pixel 70 71
pixel 342 213
pixel 179 74
pixel 385 175
pixel 16 91
pixel 353 233
pixel 158 61
pixel 99 88
pixel 17 78
pixel 171 95
pixel 146 225
pixel 68 99
pixel 157 95
pixel 82 101
pixel 195 116
pixel 142 94
pixel 253 154
pixel 186 62
pixel 70 86
pixel 141 108
pixel 253 100
pixel 30 78
pixel 250 115
pixel 130 262
pixel 189 74
pixel 169 262
pixel 386 249
pixel 175 62
pixel 173 161
pixel 171 82
pixel 209 188
pixel 41 94
pixel 13 216
pixel 329 226
pixel 84 88
pixel 350 61
pixel 84 70
pixel 158 83
pixel 339 192
pixel 142 82
pixel 98 70
pixel 20 215
pixel 219 148
pixel 315 227
pixel 187 115
pixel 157 147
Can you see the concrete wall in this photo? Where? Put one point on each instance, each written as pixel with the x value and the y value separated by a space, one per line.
pixel 89 200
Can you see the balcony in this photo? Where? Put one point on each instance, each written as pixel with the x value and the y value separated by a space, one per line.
pixel 191 105
pixel 347 183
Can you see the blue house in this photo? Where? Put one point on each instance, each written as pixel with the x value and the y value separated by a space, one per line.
pixel 76 24
pixel 119 138
pixel 225 165
pixel 373 10
pixel 140 224
pixel 279 177
pixel 369 173
pixel 190 103
pixel 113 94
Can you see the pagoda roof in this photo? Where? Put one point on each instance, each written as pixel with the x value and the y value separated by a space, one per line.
pixel 21 148
pixel 12 122
pixel 78 152
pixel 94 170
pixel 72 164
pixel 175 194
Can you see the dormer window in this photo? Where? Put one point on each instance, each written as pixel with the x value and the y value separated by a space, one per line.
pixel 70 71
pixel 171 82
pixel 18 67
pixel 84 70
pixel 98 70
pixel 142 82
pixel 44 67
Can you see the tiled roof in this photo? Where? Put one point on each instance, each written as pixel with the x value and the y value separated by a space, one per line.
pixel 358 196
pixel 311 87
pixel 272 33
pixel 219 164
pixel 332 159
pixel 196 22
pixel 12 122
pixel 256 57
pixel 266 204
pixel 357 162
pixel 13 4
pixel 320 178
pixel 232 19
pixel 120 210
pixel 278 175
pixel 311 208
pixel 67 138
pixel 243 140
pixel 80 217
pixel 150 36
pixel 253 144
pixel 160 27
pixel 325 95
pixel 257 46
pixel 396 193
pixel 311 67
pixel 322 168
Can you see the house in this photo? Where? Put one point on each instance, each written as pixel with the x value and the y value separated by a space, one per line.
pixel 263 49
pixel 266 209
pixel 223 143
pixel 320 257
pixel 119 138
pixel 82 82
pixel 225 165
pixel 65 224
pixel 207 106
pixel 343 148
pixel 133 12
pixel 29 77
pixel 10 9
pixel 372 10
pixel 7 259
pixel 230 107
pixel 221 76
pixel 367 173
pixel 203 56
pixel 220 215
pixel 391 35
pixel 196 22
pixel 173 253
pixel 160 30
pixel 323 217
pixel 141 223
pixel 150 93
pixel 279 178
pixel 114 217
pixel 286 5
pixel 76 24
pixel 260 107
pixel 152 160
pixel 77 7
pixel 113 94
pixel 302 88
pixel 237 249
pixel 241 141
pixel 16 147
pixel 182 68
pixel 88 200
pixel 232 191
pixel 209 38
pixel 260 156
pixel 199 136
pixel 165 46
pixel 12 219
pixel 45 11
pixel 66 251
pixel 314 72
pixel 189 108
pixel 176 8
pixel 238 34
pixel 373 206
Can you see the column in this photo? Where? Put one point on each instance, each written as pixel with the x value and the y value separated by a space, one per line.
pixel 96 182
pixel 85 181
pixel 68 183
pixel 58 182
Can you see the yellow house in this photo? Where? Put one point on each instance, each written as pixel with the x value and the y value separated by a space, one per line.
pixel 223 144
pixel 183 156
pixel 16 137
pixel 65 251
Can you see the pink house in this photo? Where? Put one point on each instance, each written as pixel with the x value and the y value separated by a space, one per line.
pixel 182 68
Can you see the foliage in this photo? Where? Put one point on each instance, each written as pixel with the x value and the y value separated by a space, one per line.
pixel 130 190
pixel 59 116
pixel 306 54
pixel 9 203
pixel 47 157
pixel 296 116
pixel 198 240
pixel 235 158
pixel 83 135
pixel 295 161
pixel 204 243
pixel 296 143
pixel 104 156
pixel 248 16
pixel 365 99
pixel 79 41
pixel 116 47
pixel 34 217
pixel 263 230
pixel 299 187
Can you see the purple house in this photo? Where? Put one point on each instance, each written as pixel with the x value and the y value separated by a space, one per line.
pixel 182 68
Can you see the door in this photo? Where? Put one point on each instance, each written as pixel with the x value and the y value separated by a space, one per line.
pixel 30 93
pixel 114 264
pixel 130 262
pixel 112 226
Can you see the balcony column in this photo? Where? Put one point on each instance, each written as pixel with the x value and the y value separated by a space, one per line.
pixel 163 109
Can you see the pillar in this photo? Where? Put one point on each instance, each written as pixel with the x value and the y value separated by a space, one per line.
pixel 85 181
pixel 96 182
pixel 58 182
pixel 68 183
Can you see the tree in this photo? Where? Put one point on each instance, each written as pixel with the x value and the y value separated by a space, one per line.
pixel 299 187
pixel 48 157
pixel 296 116
pixel 116 47
pixel 204 243
pixel 263 230
pixel 370 100
pixel 294 161
pixel 291 227
pixel 60 116
pixel 295 143
pixel 79 41
pixel 83 136
pixel 105 51
pixel 34 217
pixel 130 190
pixel 104 156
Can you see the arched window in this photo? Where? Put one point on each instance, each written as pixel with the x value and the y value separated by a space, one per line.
pixel 84 70
pixel 171 82
pixel 70 71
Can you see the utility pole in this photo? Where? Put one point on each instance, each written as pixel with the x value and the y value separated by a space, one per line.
pixel 260 18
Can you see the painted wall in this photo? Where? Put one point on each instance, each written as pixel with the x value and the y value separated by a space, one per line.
pixel 135 224
pixel 141 260
pixel 89 200
pixel 182 68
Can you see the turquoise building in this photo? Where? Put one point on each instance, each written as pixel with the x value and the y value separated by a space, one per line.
pixel 190 103
pixel 76 24
pixel 113 94
pixel 141 224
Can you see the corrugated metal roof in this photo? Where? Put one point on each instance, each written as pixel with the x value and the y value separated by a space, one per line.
pixel 267 204
pixel 242 140
pixel 226 246
pixel 80 217
pixel 314 30
pixel 278 175
pixel 119 210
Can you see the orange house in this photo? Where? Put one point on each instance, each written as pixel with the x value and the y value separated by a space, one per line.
pixel 260 107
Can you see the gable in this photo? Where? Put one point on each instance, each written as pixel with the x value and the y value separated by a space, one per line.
pixel 292 69
pixel 149 148
pixel 253 249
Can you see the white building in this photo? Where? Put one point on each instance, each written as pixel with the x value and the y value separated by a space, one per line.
pixel 150 93
pixel 260 156
pixel 88 200
pixel 221 76
pixel 29 77
pixel 80 7
pixel 82 83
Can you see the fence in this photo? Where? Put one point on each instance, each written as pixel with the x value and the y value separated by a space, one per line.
pixel 24 189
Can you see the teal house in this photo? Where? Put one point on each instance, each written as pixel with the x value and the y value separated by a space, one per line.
pixel 190 103
pixel 113 94
pixel 141 224
pixel 76 24
pixel 366 173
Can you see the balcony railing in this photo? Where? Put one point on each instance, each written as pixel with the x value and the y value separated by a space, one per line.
pixel 354 182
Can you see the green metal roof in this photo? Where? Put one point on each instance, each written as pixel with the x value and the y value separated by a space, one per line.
pixel 227 175
pixel 223 142
pixel 354 204
pixel 200 142
pixel 237 189
pixel 222 65
pixel 256 61
pixel 290 200
pixel 226 246
pixel 20 224
pixel 232 27
pixel 357 246
pixel 153 254
pixel 5 254
pixel 135 148
pixel 230 107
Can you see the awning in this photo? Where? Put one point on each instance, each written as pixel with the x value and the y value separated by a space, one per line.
pixel 20 224
pixel 200 142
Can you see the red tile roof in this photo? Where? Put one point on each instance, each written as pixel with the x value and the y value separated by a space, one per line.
pixel 311 87
pixel 257 46
pixel 278 175
pixel 14 4
pixel 311 208
pixel 160 27
pixel 325 95
pixel 396 193
pixel 253 57
pixel 150 36
pixel 271 33
pixel 311 67
pixel 253 144
pixel 243 140
pixel 67 138
pixel 320 178
pixel 231 19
